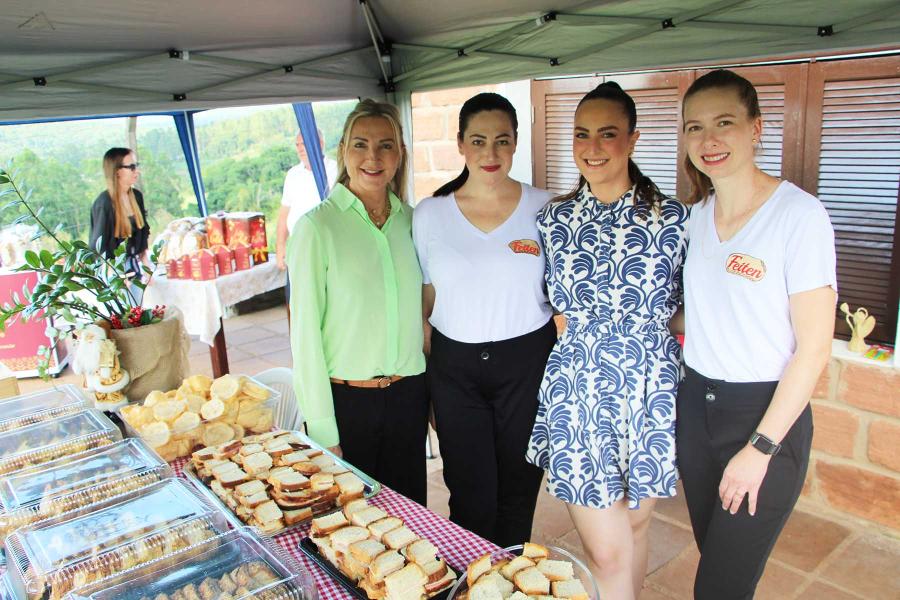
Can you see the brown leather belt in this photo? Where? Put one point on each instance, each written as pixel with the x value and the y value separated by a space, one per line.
pixel 376 382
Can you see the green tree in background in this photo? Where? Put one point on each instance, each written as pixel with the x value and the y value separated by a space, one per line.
pixel 244 160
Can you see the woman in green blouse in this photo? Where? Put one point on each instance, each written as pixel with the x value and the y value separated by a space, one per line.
pixel 356 309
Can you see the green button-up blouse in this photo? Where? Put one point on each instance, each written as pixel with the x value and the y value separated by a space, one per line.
pixel 356 302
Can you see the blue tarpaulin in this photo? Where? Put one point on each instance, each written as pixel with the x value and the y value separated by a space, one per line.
pixel 184 123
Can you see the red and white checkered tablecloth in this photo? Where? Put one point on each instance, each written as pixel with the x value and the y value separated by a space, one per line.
pixel 455 545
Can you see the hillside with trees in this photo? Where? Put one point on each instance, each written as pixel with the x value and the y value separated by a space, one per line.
pixel 243 157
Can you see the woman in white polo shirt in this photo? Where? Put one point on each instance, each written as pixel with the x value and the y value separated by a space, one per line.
pixel 759 317
pixel 483 269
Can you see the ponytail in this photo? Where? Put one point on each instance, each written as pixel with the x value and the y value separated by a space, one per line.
pixel 451 186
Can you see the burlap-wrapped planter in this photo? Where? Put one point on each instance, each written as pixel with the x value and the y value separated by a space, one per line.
pixel 156 356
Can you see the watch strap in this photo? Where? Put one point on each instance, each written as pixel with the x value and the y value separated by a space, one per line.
pixel 764 444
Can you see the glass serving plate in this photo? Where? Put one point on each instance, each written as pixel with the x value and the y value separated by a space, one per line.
pixel 50 489
pixel 49 558
pixel 19 411
pixel 182 439
pixel 223 564
pixel 461 589
pixel 55 438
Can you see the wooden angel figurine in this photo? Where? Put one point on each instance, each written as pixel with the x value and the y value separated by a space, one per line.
pixel 861 324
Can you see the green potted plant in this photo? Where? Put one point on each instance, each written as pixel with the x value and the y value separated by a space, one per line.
pixel 78 285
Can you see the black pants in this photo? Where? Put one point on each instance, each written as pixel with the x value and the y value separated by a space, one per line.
pixel 716 420
pixel 485 399
pixel 383 432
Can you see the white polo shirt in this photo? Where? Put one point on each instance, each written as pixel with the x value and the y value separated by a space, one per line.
pixel 300 192
pixel 488 286
pixel 737 292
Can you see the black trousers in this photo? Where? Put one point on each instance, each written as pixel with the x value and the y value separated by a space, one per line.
pixel 485 399
pixel 383 432
pixel 716 420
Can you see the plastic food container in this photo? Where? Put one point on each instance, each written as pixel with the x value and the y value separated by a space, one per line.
pixel 55 438
pixel 75 481
pixel 176 423
pixel 222 564
pixel 52 557
pixel 581 572
pixel 19 411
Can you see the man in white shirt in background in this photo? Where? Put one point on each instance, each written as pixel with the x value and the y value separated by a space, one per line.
pixel 300 194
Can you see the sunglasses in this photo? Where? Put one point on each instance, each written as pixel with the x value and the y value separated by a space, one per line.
pixel 132 167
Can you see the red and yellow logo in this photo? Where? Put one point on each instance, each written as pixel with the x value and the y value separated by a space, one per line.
pixel 745 266
pixel 525 247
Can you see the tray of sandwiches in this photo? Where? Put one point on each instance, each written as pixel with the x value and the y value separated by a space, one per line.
pixel 71 482
pixel 55 556
pixel 19 411
pixel 277 480
pixel 55 438
pixel 201 412
pixel 525 572
pixel 375 556
pixel 231 566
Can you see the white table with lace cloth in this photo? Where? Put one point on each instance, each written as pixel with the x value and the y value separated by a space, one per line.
pixel 203 302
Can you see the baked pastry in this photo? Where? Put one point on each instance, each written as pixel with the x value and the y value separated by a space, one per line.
pixel 385 558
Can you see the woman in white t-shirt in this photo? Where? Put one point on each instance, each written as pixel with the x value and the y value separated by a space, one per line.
pixel 759 317
pixel 483 270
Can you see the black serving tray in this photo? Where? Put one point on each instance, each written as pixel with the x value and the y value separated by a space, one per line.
pixel 311 550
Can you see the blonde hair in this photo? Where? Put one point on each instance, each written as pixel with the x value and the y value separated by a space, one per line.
pixel 112 162
pixel 371 108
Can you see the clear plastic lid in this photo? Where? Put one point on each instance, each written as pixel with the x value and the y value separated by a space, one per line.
pixel 236 563
pixel 55 438
pixel 75 481
pixel 19 411
pixel 59 554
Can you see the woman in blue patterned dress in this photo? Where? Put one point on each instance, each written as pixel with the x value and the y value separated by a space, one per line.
pixel 605 429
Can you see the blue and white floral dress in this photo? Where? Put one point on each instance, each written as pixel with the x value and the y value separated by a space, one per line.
pixel 605 428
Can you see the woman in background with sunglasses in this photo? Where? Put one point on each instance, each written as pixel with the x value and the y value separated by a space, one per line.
pixel 118 214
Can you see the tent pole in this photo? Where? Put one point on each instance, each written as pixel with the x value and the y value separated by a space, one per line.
pixel 494 39
pixel 382 54
pixel 645 31
pixel 269 68
pixel 525 57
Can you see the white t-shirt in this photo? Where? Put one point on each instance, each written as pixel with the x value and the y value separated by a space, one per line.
pixel 300 191
pixel 488 286
pixel 737 306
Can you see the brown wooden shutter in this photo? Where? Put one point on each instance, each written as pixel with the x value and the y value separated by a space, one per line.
pixel 657 97
pixel 853 135
pixel 554 102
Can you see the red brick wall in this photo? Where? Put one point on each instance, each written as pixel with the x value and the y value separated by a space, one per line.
pixel 855 464
pixel 435 120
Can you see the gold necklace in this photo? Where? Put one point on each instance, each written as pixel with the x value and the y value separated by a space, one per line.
pixel 375 214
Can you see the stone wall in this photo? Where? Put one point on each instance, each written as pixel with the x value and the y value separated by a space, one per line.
pixel 436 159
pixel 855 464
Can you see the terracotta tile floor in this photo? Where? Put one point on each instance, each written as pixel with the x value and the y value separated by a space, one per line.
pixel 815 558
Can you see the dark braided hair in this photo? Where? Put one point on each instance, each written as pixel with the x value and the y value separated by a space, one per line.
pixel 474 105
pixel 646 192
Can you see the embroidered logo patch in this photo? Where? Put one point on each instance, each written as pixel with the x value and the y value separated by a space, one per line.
pixel 745 266
pixel 525 247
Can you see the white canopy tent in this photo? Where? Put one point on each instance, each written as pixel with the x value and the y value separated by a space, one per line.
pixel 65 58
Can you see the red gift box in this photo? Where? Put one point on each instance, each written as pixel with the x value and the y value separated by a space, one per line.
pixel 242 257
pixel 215 229
pixel 203 265
pixel 183 267
pixel 172 269
pixel 224 259
pixel 245 228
